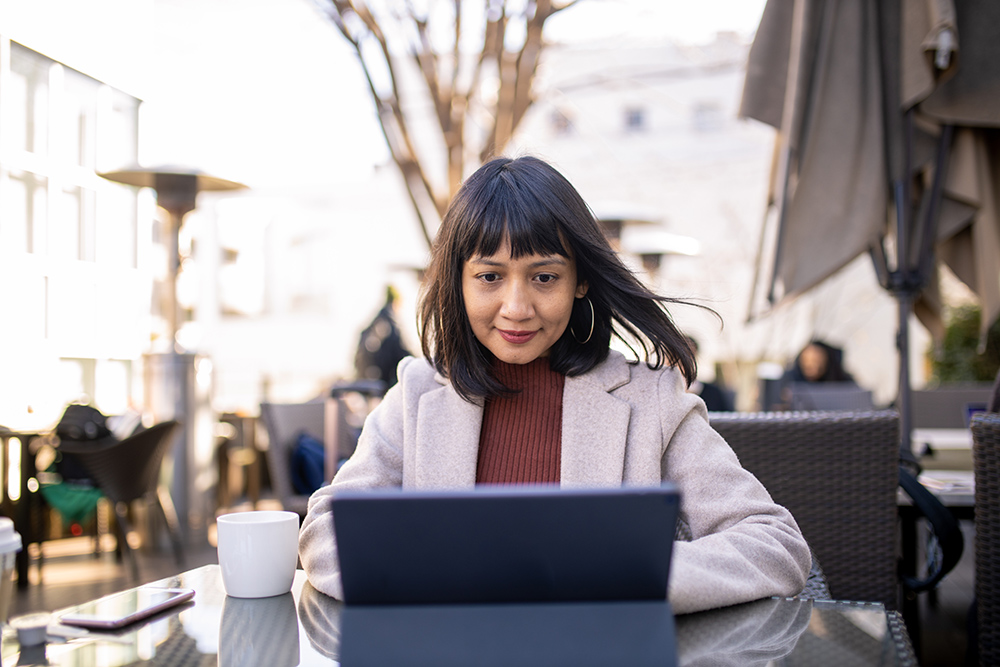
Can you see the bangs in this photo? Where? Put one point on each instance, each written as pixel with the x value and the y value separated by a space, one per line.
pixel 530 227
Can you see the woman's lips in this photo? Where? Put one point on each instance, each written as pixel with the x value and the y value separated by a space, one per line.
pixel 517 337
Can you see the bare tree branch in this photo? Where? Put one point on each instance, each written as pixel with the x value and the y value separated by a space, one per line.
pixel 562 7
pixel 383 40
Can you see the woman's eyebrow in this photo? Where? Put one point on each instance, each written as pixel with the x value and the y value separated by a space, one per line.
pixel 484 260
pixel 552 259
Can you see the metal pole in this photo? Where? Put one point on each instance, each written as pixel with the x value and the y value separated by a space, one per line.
pixel 904 399
pixel 173 269
pixel 171 387
pixel 902 290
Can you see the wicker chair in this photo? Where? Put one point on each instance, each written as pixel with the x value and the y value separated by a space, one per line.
pixel 986 463
pixel 837 472
pixel 129 470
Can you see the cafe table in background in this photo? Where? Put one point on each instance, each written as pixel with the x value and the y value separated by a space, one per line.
pixel 305 627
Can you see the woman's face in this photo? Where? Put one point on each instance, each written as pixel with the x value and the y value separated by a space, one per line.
pixel 813 362
pixel 518 308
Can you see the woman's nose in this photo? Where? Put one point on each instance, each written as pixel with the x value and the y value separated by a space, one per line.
pixel 517 303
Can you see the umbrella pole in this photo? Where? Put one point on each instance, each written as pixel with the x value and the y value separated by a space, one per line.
pixel 905 293
pixel 904 399
pixel 912 274
pixel 898 139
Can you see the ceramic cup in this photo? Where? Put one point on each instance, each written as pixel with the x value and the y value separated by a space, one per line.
pixel 258 552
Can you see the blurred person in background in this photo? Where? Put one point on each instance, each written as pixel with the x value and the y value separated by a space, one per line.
pixel 819 362
pixel 380 347
pixel 716 398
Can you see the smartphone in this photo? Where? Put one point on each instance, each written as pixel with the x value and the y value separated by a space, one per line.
pixel 120 609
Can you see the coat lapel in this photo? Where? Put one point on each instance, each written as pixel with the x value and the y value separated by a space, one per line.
pixel 595 426
pixel 447 440
pixel 594 432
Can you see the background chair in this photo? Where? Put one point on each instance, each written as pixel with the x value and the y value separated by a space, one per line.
pixel 986 464
pixel 837 472
pixel 284 422
pixel 129 470
pixel 949 406
pixel 328 419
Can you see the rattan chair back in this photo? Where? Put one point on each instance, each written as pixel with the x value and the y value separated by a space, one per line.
pixel 837 472
pixel 130 468
pixel 986 463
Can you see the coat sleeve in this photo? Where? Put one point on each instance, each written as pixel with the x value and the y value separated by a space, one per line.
pixel 377 462
pixel 743 545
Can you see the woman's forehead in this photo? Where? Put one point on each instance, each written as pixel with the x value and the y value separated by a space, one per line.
pixel 504 254
pixel 515 246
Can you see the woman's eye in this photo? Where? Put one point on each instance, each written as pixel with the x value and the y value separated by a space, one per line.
pixel 545 278
pixel 489 277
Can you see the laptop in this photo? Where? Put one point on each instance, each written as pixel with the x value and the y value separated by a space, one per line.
pixel 505 544
pixel 830 396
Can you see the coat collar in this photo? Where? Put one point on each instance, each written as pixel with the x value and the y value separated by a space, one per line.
pixel 594 430
pixel 595 426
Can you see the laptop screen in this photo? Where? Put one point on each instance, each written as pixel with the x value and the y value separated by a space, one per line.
pixel 505 544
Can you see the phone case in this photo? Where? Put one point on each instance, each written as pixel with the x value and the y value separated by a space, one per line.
pixel 78 617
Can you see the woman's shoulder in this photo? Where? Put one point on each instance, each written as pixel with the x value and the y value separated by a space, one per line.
pixel 661 391
pixel 619 371
pixel 418 372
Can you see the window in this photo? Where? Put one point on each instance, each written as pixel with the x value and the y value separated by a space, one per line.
pixel 66 239
pixel 57 126
pixel 560 123
pixel 24 196
pixel 635 119
pixel 707 116
pixel 25 100
pixel 77 119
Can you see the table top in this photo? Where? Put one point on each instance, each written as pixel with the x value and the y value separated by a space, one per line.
pixel 956 489
pixel 305 627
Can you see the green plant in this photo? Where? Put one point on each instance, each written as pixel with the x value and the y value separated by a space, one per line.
pixel 957 358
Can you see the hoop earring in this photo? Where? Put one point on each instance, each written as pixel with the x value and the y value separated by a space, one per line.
pixel 591 332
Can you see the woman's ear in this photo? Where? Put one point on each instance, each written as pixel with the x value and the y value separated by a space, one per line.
pixel 581 289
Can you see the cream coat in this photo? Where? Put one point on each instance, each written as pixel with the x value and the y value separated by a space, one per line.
pixel 623 424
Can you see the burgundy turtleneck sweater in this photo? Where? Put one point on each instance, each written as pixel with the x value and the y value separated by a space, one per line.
pixel 521 434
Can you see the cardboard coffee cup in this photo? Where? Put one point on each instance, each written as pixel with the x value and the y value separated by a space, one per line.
pixel 10 544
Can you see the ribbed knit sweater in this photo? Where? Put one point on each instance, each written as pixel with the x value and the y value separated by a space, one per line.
pixel 521 434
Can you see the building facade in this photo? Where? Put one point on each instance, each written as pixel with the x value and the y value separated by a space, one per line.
pixel 76 251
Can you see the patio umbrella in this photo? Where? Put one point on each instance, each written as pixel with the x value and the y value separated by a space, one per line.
pixel 888 143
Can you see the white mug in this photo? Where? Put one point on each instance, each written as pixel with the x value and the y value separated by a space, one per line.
pixel 258 552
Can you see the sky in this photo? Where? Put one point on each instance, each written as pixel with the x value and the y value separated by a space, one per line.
pixel 686 21
pixel 270 93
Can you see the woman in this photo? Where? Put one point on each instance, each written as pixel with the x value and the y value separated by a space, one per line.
pixel 819 362
pixel 519 385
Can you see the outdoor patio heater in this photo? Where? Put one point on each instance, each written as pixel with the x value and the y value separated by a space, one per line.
pixel 170 376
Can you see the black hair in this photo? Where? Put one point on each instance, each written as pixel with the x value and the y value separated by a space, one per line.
pixel 834 371
pixel 528 202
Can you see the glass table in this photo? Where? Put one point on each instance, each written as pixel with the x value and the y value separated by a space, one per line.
pixel 305 627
